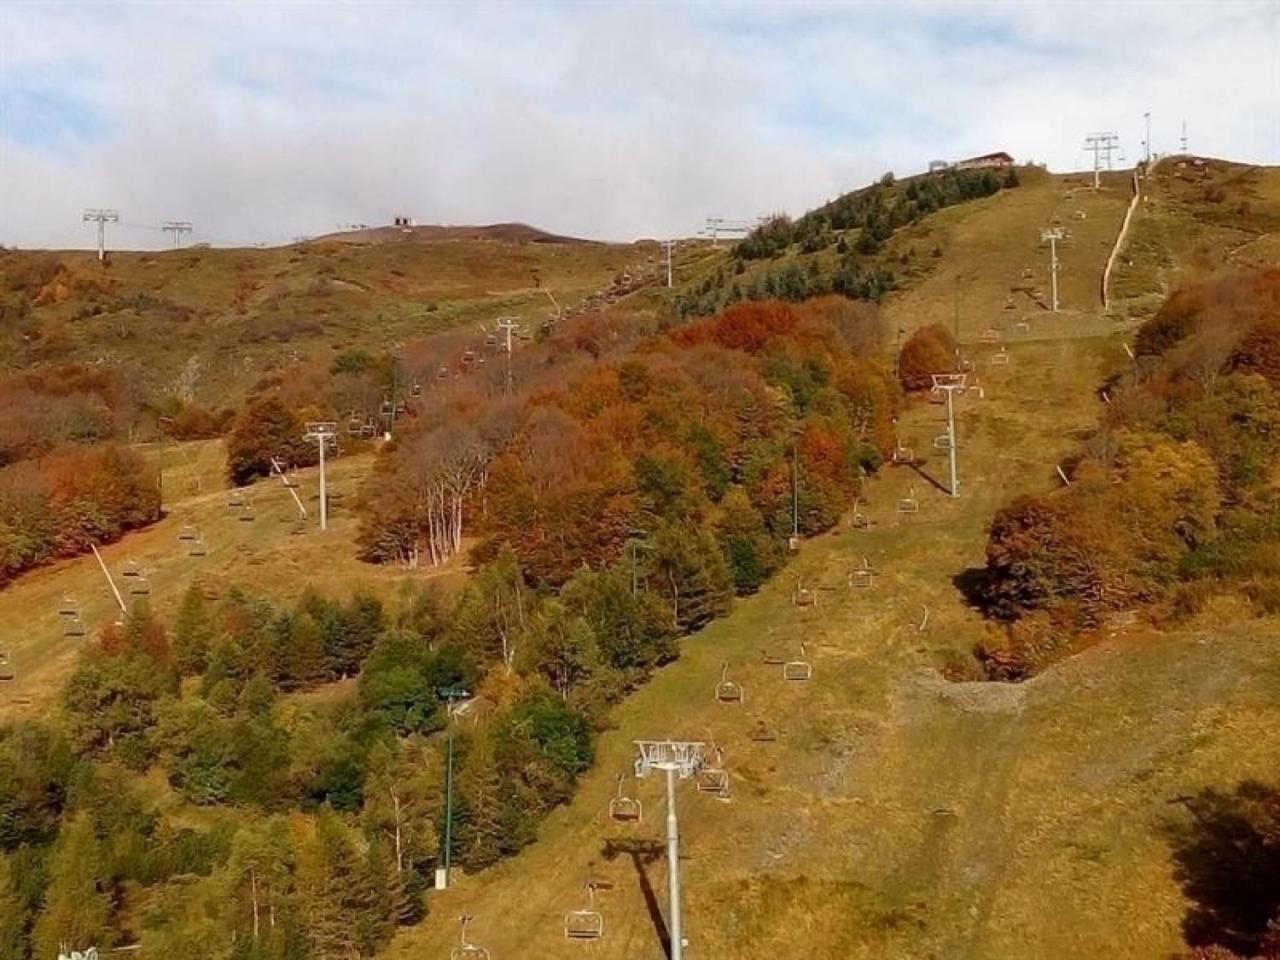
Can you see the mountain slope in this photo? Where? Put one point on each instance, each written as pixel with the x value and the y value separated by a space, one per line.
pixel 896 815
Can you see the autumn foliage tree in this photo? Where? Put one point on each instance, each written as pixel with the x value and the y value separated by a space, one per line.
pixel 929 350
pixel 266 428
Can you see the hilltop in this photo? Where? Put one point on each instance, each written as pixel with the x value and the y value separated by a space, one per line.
pixel 207 324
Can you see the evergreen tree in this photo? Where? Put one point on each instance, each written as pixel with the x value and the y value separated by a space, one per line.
pixel 336 897
pixel 304 654
pixel 77 904
pixel 193 633
pixel 691 573
pixel 13 915
pixel 481 833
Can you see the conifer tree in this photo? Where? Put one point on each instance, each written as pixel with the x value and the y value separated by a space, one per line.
pixel 481 834
pixel 77 905
pixel 13 914
pixel 193 633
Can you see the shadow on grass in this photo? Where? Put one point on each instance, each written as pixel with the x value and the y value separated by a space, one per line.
pixel 1227 860
pixel 643 853
pixel 974 584
pixel 919 470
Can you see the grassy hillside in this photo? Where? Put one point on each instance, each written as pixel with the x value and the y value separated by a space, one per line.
pixel 1197 215
pixel 206 324
pixel 897 815
pixel 277 554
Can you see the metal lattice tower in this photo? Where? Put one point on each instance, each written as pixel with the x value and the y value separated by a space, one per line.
pixel 101 216
pixel 677 759
pixel 1101 145
pixel 177 228
pixel 323 433
pixel 1051 236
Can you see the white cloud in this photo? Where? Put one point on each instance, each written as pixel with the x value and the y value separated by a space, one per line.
pixel 262 121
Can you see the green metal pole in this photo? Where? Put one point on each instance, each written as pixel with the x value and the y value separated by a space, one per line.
pixel 448 809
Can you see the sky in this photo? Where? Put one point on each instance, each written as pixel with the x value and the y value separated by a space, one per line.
pixel 259 122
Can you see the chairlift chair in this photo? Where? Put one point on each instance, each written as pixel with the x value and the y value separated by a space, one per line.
pixel 773 660
pixel 74 628
pixel 726 690
pixel 800 669
pixel 910 503
pixel 624 808
pixel 903 455
pixel 466 950
pixel 942 441
pixel 803 596
pixel 415 390
pixel 587 924
pixel 354 427
pixel 7 673
pixel 246 513
pixel 130 569
pixel 235 501
pixel 712 778
pixel 762 733
pixel 862 576
pixel 68 608
pixel 188 533
pixel 468 358
pixel 991 335
pixel 491 340
pixel 1022 327
pixel 1000 359
pixel 197 549
pixel 141 587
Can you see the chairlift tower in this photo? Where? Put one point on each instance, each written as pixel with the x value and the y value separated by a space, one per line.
pixel 1101 145
pixel 951 384
pixel 323 433
pixel 718 225
pixel 670 246
pixel 1051 236
pixel 177 228
pixel 677 759
pixel 450 695
pixel 101 216
pixel 508 325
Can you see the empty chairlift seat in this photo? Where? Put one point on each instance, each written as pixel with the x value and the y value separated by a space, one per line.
pixel 800 669
pixel 726 690
pixel 466 950
pixel 624 808
pixel 910 503
pixel 587 923
pixel 712 777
